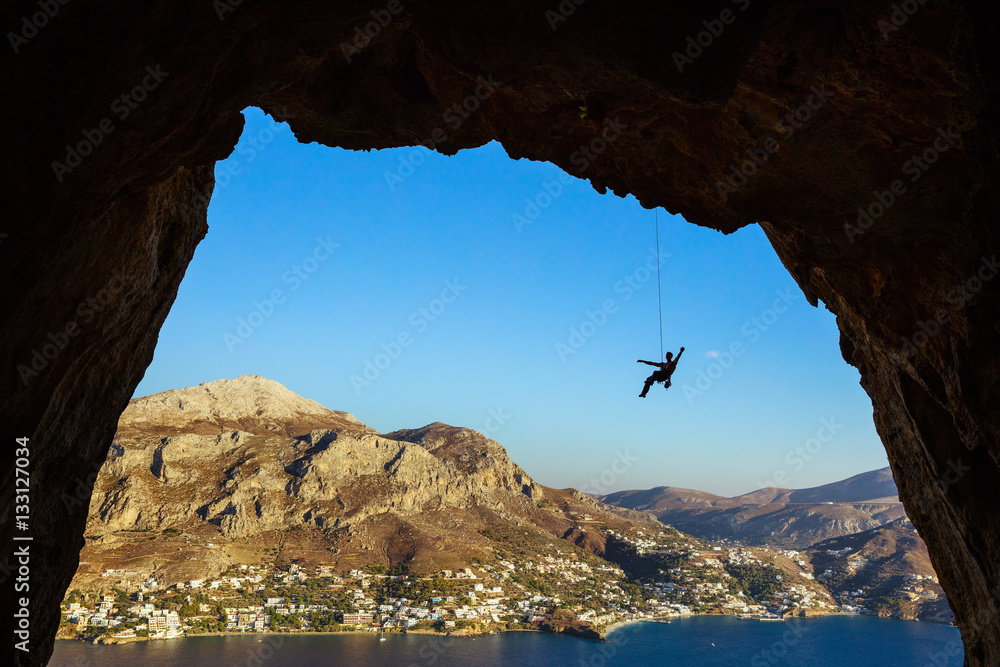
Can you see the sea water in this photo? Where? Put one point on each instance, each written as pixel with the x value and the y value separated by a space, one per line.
pixel 858 641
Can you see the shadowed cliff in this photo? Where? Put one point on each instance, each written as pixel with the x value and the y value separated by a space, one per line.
pixel 861 139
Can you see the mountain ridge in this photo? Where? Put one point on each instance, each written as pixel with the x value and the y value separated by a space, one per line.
pixel 879 482
pixel 791 517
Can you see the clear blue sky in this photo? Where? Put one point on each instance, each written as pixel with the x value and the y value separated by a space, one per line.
pixel 489 350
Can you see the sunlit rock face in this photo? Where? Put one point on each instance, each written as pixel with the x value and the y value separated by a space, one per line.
pixel 799 117
pixel 250 456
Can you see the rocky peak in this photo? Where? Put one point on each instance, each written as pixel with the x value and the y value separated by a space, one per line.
pixel 249 403
pixel 465 448
pixel 249 456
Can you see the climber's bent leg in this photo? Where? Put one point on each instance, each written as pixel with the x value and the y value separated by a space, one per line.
pixel 645 387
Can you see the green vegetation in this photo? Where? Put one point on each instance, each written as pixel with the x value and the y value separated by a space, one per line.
pixel 418 591
pixel 532 582
pixel 325 622
pixel 758 581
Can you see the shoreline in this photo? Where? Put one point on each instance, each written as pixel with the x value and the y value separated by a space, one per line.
pixel 660 619
pixel 269 633
pixel 621 624
pixel 432 633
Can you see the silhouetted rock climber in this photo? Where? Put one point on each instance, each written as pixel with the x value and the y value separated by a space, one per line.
pixel 663 375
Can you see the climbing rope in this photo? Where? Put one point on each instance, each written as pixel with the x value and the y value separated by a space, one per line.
pixel 659 295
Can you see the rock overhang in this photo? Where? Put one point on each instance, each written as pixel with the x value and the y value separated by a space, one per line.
pixel 597 91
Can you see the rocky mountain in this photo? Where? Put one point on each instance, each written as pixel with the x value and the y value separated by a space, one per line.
pixel 250 404
pixel 244 470
pixel 789 517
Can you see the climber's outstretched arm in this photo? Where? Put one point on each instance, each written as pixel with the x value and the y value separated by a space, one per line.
pixel 648 363
pixel 678 357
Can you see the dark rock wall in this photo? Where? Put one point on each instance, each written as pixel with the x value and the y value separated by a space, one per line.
pixel 119 226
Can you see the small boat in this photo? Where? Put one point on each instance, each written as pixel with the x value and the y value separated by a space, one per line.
pixel 381 639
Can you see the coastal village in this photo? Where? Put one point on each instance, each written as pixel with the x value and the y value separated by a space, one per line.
pixel 228 524
pixel 557 588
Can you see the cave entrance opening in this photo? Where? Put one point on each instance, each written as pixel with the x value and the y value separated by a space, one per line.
pixel 406 287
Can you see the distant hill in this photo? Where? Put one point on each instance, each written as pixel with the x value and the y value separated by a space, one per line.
pixel 892 568
pixel 875 486
pixel 790 517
